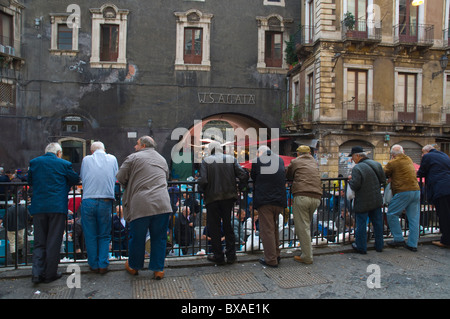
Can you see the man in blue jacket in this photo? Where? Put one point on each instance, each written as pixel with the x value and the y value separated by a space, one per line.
pixel 435 167
pixel 51 178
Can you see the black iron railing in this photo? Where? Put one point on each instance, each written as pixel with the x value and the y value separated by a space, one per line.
pixel 333 223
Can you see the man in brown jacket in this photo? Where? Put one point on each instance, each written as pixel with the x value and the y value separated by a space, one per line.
pixel 146 205
pixel 307 191
pixel 406 191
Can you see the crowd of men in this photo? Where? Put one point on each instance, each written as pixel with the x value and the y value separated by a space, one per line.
pixel 147 205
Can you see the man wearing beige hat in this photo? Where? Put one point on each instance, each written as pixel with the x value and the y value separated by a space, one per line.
pixel 307 191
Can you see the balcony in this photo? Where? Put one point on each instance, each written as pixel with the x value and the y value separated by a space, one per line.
pixel 412 117
pixel 304 40
pixel 8 52
pixel 363 32
pixel 414 37
pixel 297 117
pixel 360 112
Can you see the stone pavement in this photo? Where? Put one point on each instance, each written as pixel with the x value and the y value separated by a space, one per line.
pixel 337 273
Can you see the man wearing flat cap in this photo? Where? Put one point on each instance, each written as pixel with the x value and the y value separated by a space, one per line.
pixel 365 180
pixel 307 191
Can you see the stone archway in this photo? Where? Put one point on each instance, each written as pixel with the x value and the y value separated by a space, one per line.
pixel 246 132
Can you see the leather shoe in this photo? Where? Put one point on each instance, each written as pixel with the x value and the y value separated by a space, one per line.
pixel 357 250
pixel 215 260
pixel 55 277
pixel 300 260
pixel 231 260
pixel 414 249
pixel 439 244
pixel 158 275
pixel 37 279
pixel 263 262
pixel 94 270
pixel 394 244
pixel 130 270
pixel 102 271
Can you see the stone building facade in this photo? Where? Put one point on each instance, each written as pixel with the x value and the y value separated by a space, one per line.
pixel 114 70
pixel 370 73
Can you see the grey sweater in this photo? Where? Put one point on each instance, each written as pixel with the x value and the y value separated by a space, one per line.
pixel 366 181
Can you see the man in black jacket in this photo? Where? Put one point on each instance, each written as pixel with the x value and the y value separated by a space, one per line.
pixel 218 173
pixel 269 199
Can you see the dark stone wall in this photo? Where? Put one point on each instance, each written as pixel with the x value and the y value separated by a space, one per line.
pixel 113 102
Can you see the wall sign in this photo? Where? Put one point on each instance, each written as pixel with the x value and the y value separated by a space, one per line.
pixel 220 98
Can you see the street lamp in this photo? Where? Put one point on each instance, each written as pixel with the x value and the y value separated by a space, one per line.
pixel 416 3
pixel 443 61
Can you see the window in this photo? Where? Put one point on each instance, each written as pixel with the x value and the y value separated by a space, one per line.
pixel 274 49
pixel 310 97
pixel 357 92
pixel 109 37
pixel 271 36
pixel 6 30
pixel 193 45
pixel 64 40
pixel 109 42
pixel 408 95
pixel 274 3
pixel 7 96
pixel 64 37
pixel 193 41
pixel 408 22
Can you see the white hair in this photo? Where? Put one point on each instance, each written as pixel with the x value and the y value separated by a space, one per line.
pixel 97 146
pixel 397 149
pixel 263 149
pixel 53 148
pixel 428 148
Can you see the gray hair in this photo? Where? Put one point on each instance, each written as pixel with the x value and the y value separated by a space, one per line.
pixel 97 146
pixel 397 149
pixel 263 149
pixel 53 148
pixel 147 141
pixel 428 148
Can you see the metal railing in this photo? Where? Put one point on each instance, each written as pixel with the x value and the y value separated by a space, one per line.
pixel 333 223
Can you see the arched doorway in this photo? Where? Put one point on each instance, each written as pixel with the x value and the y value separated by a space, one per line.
pixel 345 161
pixel 238 133
pixel 413 150
pixel 74 149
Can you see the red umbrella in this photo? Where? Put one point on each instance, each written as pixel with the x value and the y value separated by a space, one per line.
pixel 286 159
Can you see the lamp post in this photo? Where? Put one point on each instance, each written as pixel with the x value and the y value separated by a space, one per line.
pixel 443 61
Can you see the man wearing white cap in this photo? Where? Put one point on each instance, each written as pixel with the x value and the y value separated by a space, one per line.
pixel 307 191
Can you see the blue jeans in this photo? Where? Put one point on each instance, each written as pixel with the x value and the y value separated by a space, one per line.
pixel 96 223
pixel 375 216
pixel 157 226
pixel 409 201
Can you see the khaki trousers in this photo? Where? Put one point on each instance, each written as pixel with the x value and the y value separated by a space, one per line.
pixel 303 210
pixel 268 231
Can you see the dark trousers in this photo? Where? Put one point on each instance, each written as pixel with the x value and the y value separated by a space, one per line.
pixel 443 211
pixel 217 211
pixel 48 236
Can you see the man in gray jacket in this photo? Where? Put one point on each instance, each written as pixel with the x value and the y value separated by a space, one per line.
pixel 218 174
pixel 366 180
pixel 146 205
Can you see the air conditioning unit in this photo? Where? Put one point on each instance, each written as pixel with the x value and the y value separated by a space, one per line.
pixel 72 128
pixel 2 48
pixel 10 50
